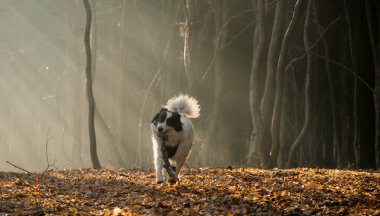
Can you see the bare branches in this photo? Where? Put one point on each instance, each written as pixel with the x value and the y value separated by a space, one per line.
pixel 365 83
pixel 48 138
pixel 216 48
pixel 321 35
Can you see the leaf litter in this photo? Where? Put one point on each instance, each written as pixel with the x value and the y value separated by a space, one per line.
pixel 203 191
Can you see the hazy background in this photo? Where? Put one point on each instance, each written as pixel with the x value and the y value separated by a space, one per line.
pixel 144 53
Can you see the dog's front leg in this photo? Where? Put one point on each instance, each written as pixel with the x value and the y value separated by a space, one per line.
pixel 158 165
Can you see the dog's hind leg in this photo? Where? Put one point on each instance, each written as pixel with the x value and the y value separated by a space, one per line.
pixel 166 175
pixel 178 166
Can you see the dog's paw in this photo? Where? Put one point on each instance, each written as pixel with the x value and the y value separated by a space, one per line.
pixel 159 181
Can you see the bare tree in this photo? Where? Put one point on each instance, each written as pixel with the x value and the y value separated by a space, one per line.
pixel 375 45
pixel 220 34
pixel 286 41
pixel 90 95
pixel 307 120
pixel 355 140
pixel 256 81
pixel 336 143
pixel 269 95
pixel 187 46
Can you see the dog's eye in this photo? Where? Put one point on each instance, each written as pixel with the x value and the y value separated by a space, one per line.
pixel 162 117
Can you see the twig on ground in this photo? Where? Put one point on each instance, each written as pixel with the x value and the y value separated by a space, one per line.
pixel 18 167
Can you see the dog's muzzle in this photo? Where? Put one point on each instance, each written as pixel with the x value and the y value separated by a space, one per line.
pixel 160 132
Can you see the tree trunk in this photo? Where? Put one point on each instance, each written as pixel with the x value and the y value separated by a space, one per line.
pixel 375 45
pixel 220 12
pixel 336 144
pixel 74 82
pixel 270 81
pixel 343 114
pixel 187 45
pixel 285 125
pixel 255 84
pixel 355 89
pixel 289 35
pixel 90 95
pixel 306 125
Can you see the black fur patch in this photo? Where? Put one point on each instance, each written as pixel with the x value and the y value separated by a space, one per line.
pixel 175 121
pixel 171 150
pixel 155 119
pixel 162 116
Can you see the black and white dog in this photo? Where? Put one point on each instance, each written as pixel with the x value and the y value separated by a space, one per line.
pixel 172 128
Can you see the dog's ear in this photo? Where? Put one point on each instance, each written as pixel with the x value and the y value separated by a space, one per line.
pixel 155 119
pixel 175 121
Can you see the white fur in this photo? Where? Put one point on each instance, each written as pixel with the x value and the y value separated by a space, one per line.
pixel 185 105
pixel 188 107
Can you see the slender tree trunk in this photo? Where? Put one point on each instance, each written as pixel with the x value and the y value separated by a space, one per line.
pixel 285 126
pixel 289 34
pixel 90 95
pixel 74 81
pixel 269 95
pixel 221 12
pixel 336 144
pixel 355 89
pixel 375 45
pixel 187 45
pixel 343 114
pixel 307 120
pixel 256 82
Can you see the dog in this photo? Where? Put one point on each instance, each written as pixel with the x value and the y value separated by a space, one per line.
pixel 173 132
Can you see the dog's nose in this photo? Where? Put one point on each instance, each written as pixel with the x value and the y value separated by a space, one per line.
pixel 160 129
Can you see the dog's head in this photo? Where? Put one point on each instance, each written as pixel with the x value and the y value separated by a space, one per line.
pixel 165 120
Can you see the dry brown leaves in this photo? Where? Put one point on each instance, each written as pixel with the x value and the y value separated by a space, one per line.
pixel 201 192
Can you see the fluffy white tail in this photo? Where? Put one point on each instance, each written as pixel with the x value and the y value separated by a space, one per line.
pixel 185 105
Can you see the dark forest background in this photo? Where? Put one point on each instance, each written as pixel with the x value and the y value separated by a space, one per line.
pixel 280 83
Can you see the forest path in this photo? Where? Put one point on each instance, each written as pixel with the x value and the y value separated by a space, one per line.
pixel 203 191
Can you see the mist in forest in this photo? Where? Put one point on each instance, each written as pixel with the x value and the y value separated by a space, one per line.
pixel 280 83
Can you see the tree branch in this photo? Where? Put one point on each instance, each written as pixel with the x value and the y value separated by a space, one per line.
pixel 219 37
pixel 313 45
pixel 366 84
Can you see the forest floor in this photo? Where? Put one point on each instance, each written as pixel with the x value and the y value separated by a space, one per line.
pixel 205 191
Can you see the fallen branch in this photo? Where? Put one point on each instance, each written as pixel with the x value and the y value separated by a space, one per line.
pixel 18 167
